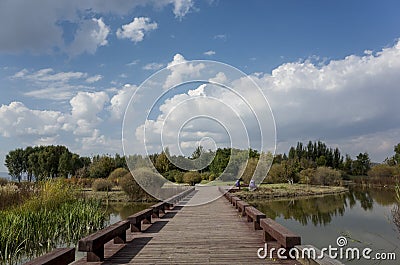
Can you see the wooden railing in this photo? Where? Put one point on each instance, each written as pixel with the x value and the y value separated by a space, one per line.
pixel 273 231
pixel 94 243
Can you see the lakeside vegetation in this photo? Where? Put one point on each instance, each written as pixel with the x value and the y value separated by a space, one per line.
pixel 285 190
pixel 53 214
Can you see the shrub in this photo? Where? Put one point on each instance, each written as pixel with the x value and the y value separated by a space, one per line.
pixel 326 176
pixel 102 185
pixel 211 177
pixel 117 174
pixel 174 175
pixel 192 177
pixel 307 175
pixel 3 181
pixel 381 171
pixel 132 189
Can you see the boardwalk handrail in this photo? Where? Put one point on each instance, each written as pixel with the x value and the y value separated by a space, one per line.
pixel 94 244
pixel 273 231
pixel 59 256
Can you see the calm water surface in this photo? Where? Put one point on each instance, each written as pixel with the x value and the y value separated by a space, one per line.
pixel 364 216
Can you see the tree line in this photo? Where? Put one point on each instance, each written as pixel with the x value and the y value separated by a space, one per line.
pixel 302 163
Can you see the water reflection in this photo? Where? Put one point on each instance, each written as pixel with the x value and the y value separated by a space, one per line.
pixel 320 210
pixel 364 216
pixel 121 211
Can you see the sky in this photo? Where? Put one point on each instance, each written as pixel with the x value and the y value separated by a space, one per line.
pixel 68 69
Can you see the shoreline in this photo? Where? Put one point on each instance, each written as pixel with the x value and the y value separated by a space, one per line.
pixel 282 191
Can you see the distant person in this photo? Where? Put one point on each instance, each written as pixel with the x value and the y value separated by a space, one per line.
pixel 252 185
pixel 237 184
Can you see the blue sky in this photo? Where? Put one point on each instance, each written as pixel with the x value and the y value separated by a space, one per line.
pixel 328 68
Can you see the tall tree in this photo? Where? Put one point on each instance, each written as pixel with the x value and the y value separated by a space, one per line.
pixel 15 163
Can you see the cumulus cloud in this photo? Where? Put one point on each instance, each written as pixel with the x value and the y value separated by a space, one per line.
pixel 94 79
pixel 37 26
pixel 343 99
pixel 18 120
pixel 90 35
pixel 181 71
pixel 120 101
pixel 136 30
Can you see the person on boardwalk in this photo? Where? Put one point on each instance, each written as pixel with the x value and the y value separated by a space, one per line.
pixel 252 185
pixel 237 184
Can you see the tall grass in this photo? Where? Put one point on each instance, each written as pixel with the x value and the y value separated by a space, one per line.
pixel 56 216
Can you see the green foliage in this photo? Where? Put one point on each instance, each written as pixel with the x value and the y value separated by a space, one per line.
pixel 361 165
pixel 101 167
pixel 117 174
pixel 382 171
pixel 192 177
pixel 326 176
pixel 102 185
pixel 131 188
pixel 43 162
pixel 174 175
pixel 51 217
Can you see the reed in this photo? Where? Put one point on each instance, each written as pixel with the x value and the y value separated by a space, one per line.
pixel 57 216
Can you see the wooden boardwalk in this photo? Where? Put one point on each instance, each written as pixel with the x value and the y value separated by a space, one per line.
pixel 212 233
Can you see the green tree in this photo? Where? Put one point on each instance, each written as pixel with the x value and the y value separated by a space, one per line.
pixel 397 154
pixel 65 164
pixel 362 164
pixel 15 163
pixel 101 167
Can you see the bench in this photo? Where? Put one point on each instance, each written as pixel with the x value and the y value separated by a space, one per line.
pixel 59 256
pixel 159 207
pixel 273 231
pixel 94 243
pixel 241 206
pixel 254 215
pixel 137 218
pixel 234 200
pixel 228 196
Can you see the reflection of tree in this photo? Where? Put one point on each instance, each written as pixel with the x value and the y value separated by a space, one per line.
pixel 396 209
pixel 321 210
pixel 318 210
pixel 365 198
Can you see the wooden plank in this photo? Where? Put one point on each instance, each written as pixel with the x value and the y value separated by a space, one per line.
pixel 59 256
pixel 212 233
pixel 275 231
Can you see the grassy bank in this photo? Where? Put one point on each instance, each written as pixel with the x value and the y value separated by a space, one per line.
pixel 270 191
pixel 55 215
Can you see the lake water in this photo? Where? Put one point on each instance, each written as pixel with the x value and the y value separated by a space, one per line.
pixel 363 216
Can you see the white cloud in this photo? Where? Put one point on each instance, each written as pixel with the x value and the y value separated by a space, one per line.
pixel 37 27
pixel 181 71
pixel 90 35
pixel 153 66
pixel 136 30
pixel 55 85
pixel 209 53
pixel 182 7
pixel 94 79
pixel 120 101
pixel 18 120
pixel 85 109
